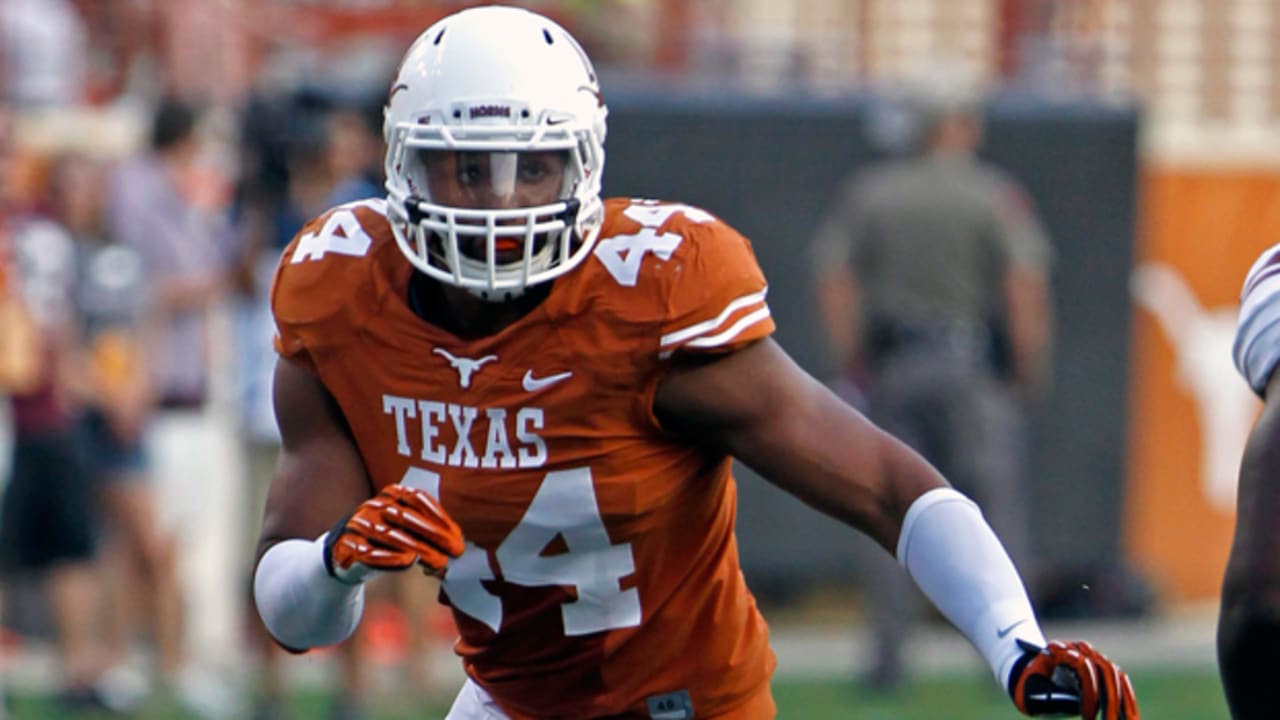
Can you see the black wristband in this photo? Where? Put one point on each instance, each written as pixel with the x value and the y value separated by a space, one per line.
pixel 332 539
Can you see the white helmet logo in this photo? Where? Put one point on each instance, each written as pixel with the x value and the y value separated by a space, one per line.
pixel 466 367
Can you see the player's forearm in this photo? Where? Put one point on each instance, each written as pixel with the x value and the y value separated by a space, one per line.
pixel 961 566
pixel 300 603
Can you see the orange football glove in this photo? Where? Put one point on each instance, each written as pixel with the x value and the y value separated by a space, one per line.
pixel 394 530
pixel 1070 679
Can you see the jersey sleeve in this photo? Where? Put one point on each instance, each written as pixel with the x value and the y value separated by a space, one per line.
pixel 317 291
pixel 716 304
pixel 1256 349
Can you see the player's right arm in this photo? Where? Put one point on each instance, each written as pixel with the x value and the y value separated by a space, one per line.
pixel 325 529
pixel 319 475
pixel 319 478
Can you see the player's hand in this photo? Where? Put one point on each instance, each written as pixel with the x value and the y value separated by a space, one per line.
pixel 1071 679
pixel 394 530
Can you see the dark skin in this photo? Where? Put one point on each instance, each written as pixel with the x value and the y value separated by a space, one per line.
pixel 755 404
pixel 1249 619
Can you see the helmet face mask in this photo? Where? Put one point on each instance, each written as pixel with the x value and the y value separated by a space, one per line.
pixel 495 132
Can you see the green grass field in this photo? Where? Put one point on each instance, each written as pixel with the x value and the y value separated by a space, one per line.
pixel 1172 695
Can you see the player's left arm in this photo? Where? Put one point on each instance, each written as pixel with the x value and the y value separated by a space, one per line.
pixel 759 406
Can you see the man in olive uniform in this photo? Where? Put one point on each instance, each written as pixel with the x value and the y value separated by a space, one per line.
pixel 932 277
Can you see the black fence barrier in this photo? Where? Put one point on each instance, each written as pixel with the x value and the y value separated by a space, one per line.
pixel 771 165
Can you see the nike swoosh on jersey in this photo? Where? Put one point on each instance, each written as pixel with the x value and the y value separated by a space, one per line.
pixel 533 384
pixel 1002 633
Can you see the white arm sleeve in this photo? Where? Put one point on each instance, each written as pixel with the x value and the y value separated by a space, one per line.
pixel 956 559
pixel 1256 349
pixel 301 605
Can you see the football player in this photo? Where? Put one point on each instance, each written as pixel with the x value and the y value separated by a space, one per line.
pixel 1249 619
pixel 535 394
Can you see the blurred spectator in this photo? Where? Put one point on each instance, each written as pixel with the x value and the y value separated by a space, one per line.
pixel 110 299
pixel 151 211
pixel 42 52
pixel 46 515
pixel 354 152
pixel 932 273
pixel 18 363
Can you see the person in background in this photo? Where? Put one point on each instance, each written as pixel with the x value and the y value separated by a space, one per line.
pixel 1249 617
pixel 932 277
pixel 110 300
pixel 47 516
pixel 496 376
pixel 150 211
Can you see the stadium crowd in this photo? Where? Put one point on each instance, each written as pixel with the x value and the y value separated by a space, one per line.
pixel 151 170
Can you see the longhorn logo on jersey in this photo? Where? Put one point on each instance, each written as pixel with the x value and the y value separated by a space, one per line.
pixel 466 367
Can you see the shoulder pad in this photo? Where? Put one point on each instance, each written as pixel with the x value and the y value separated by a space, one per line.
pixel 693 277
pixel 327 274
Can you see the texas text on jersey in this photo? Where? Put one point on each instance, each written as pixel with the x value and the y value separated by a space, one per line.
pixel 581 516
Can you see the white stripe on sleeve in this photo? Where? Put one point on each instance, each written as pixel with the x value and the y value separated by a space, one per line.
pixel 678 336
pixel 714 332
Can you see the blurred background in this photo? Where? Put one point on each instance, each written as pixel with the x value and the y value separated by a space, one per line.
pixel 1145 133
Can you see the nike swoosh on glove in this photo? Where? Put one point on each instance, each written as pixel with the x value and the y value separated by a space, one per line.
pixel 394 530
pixel 1071 679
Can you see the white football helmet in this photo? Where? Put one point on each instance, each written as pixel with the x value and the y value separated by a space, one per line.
pixel 498 84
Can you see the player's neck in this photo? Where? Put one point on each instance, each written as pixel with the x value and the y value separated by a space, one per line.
pixel 465 315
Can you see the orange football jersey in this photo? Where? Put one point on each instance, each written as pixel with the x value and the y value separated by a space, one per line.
pixel 601 572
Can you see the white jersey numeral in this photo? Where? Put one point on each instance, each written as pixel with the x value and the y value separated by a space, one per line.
pixel 565 506
pixel 353 241
pixel 623 254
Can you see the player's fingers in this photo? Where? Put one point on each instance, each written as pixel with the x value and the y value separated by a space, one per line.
pixel 443 536
pixel 1072 657
pixel 415 549
pixel 351 550
pixel 384 559
pixel 1129 698
pixel 1121 700
pixel 421 501
pixel 422 515
pixel 440 530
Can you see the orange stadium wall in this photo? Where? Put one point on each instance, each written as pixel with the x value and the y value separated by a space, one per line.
pixel 1190 412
